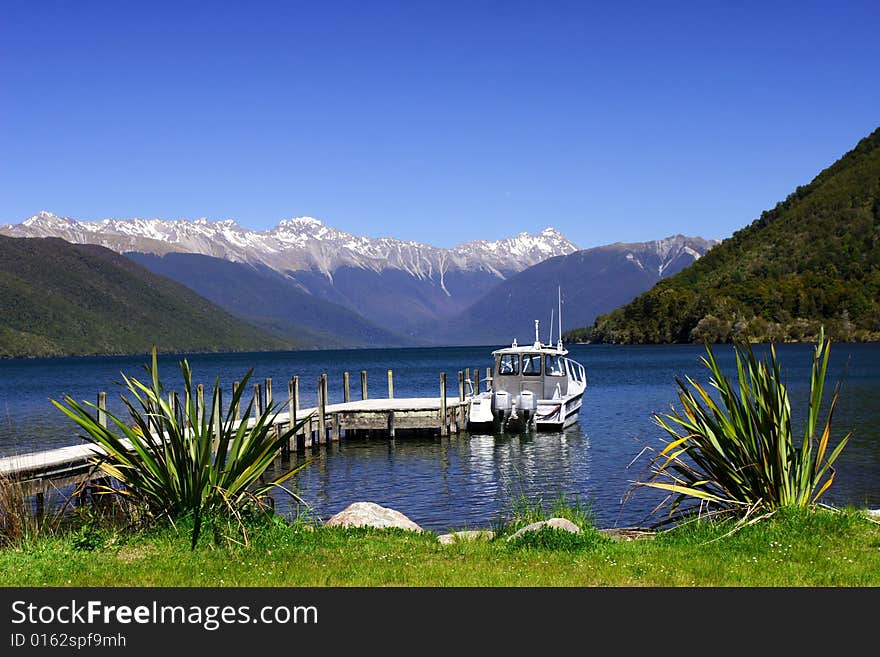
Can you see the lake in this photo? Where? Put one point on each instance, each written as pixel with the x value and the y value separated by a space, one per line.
pixel 470 481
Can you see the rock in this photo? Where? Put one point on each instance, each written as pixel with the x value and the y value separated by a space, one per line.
pixel 554 523
pixel 369 514
pixel 477 534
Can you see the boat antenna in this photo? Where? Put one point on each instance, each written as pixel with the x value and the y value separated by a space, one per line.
pixel 559 292
pixel 551 326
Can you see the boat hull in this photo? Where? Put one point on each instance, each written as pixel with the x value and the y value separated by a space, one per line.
pixel 550 415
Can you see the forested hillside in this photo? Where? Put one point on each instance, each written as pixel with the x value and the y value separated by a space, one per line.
pixel 59 299
pixel 812 260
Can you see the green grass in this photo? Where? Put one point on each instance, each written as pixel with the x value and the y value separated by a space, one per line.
pixel 792 549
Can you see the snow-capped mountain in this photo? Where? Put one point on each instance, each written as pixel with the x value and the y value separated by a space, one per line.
pixel 303 278
pixel 392 284
pixel 593 281
pixel 665 256
pixel 299 244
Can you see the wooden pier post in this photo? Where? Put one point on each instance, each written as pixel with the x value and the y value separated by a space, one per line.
pixel 391 428
pixel 488 378
pixel 346 389
pixel 363 384
pixel 334 427
pixel 390 384
pixel 292 407
pixel 267 383
pixel 307 427
pixel 476 381
pixel 322 411
pixel 102 409
pixel 444 428
pixel 328 423
pixel 258 400
pixel 459 424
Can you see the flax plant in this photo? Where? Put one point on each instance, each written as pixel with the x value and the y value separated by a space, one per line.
pixel 187 460
pixel 739 454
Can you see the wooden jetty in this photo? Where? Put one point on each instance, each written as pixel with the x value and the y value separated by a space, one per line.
pixel 388 417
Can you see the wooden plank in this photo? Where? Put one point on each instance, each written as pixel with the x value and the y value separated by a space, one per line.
pixel 362 421
pixel 378 421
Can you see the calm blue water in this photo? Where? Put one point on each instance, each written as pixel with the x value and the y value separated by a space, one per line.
pixel 468 481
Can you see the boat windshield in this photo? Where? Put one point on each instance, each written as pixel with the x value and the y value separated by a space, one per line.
pixel 554 365
pixel 531 364
pixel 508 364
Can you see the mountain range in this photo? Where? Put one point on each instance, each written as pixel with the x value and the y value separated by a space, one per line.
pixel 396 284
pixel 317 286
pixel 590 282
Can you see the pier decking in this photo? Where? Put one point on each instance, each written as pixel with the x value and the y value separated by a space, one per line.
pixel 44 471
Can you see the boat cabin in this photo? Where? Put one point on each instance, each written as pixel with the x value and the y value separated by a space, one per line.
pixel 540 369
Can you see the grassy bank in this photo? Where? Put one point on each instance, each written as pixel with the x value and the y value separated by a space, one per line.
pixel 819 548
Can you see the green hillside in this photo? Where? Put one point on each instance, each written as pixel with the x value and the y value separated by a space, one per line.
pixel 58 298
pixel 813 259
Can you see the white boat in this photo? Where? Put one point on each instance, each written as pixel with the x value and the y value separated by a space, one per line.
pixel 532 388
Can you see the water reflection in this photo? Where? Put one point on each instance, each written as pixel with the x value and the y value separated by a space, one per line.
pixel 460 481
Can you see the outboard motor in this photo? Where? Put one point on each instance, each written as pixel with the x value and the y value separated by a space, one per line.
pixel 500 406
pixel 528 404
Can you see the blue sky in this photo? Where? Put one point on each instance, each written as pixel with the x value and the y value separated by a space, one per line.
pixel 440 122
